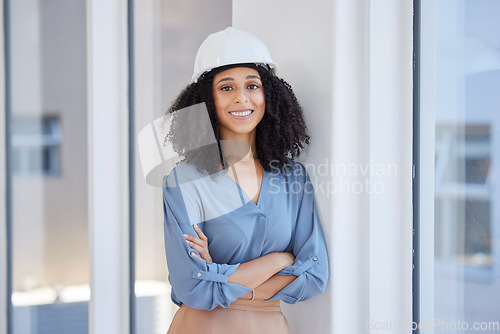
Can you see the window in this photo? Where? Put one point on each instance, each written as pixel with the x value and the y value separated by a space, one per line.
pixel 48 200
pixel 36 146
pixel 463 197
pixel 460 68
pixel 167 35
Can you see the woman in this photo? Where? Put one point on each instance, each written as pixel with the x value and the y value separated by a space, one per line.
pixel 241 227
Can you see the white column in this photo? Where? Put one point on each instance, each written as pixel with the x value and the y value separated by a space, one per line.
pixel 391 83
pixel 351 139
pixel 108 166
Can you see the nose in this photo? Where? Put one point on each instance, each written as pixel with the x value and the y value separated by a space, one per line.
pixel 240 96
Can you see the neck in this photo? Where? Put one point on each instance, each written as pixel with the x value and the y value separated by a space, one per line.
pixel 239 145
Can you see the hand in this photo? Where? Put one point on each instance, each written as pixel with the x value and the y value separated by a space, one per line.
pixel 199 244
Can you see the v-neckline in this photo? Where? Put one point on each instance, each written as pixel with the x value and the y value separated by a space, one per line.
pixel 243 192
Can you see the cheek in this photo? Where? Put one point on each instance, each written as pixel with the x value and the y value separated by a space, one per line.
pixel 219 104
pixel 260 100
pixel 216 100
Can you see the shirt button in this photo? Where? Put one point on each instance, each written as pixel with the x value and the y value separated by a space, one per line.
pixel 198 274
pixel 315 258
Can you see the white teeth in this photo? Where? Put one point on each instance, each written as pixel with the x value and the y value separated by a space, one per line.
pixel 241 113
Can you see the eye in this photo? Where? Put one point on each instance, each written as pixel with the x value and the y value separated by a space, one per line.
pixel 253 86
pixel 226 88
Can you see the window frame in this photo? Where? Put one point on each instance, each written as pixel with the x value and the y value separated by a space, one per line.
pixel 416 173
pixel 5 176
pixel 424 128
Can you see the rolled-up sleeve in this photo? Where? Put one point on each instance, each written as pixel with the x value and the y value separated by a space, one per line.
pixel 309 248
pixel 194 282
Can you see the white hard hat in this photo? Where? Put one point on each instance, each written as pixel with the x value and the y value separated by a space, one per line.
pixel 231 46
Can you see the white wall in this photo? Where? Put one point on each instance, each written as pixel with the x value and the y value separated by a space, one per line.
pixel 299 36
pixel 350 64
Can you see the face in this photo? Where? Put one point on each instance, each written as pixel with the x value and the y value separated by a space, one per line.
pixel 239 101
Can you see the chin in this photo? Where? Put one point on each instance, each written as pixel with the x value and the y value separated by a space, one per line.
pixel 240 130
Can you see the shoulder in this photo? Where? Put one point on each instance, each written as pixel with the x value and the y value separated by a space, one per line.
pixel 193 186
pixel 295 171
pixel 183 173
pixel 294 175
pixel 181 191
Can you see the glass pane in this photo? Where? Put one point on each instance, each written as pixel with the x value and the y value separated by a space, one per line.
pixel 167 36
pixel 49 166
pixel 467 173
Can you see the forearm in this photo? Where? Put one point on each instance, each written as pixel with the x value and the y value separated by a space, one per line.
pixel 254 273
pixel 271 287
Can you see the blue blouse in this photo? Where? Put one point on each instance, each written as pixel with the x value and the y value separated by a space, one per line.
pixel 284 219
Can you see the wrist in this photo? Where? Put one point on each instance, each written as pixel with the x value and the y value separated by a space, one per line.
pixel 247 296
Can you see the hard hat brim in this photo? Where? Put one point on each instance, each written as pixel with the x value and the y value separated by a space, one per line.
pixel 214 71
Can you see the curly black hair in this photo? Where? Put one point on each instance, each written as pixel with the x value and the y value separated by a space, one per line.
pixel 281 134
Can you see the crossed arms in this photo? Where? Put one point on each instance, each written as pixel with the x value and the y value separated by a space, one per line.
pixel 259 274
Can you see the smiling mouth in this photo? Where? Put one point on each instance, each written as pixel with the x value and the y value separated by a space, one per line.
pixel 241 113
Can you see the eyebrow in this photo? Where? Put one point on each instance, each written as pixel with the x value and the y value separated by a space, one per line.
pixel 252 77
pixel 231 78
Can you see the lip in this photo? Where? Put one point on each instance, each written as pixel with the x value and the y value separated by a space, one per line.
pixel 241 117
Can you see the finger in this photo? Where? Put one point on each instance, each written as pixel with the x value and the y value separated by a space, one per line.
pixel 197 241
pixel 198 248
pixel 191 238
pixel 200 232
pixel 203 254
pixel 195 255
